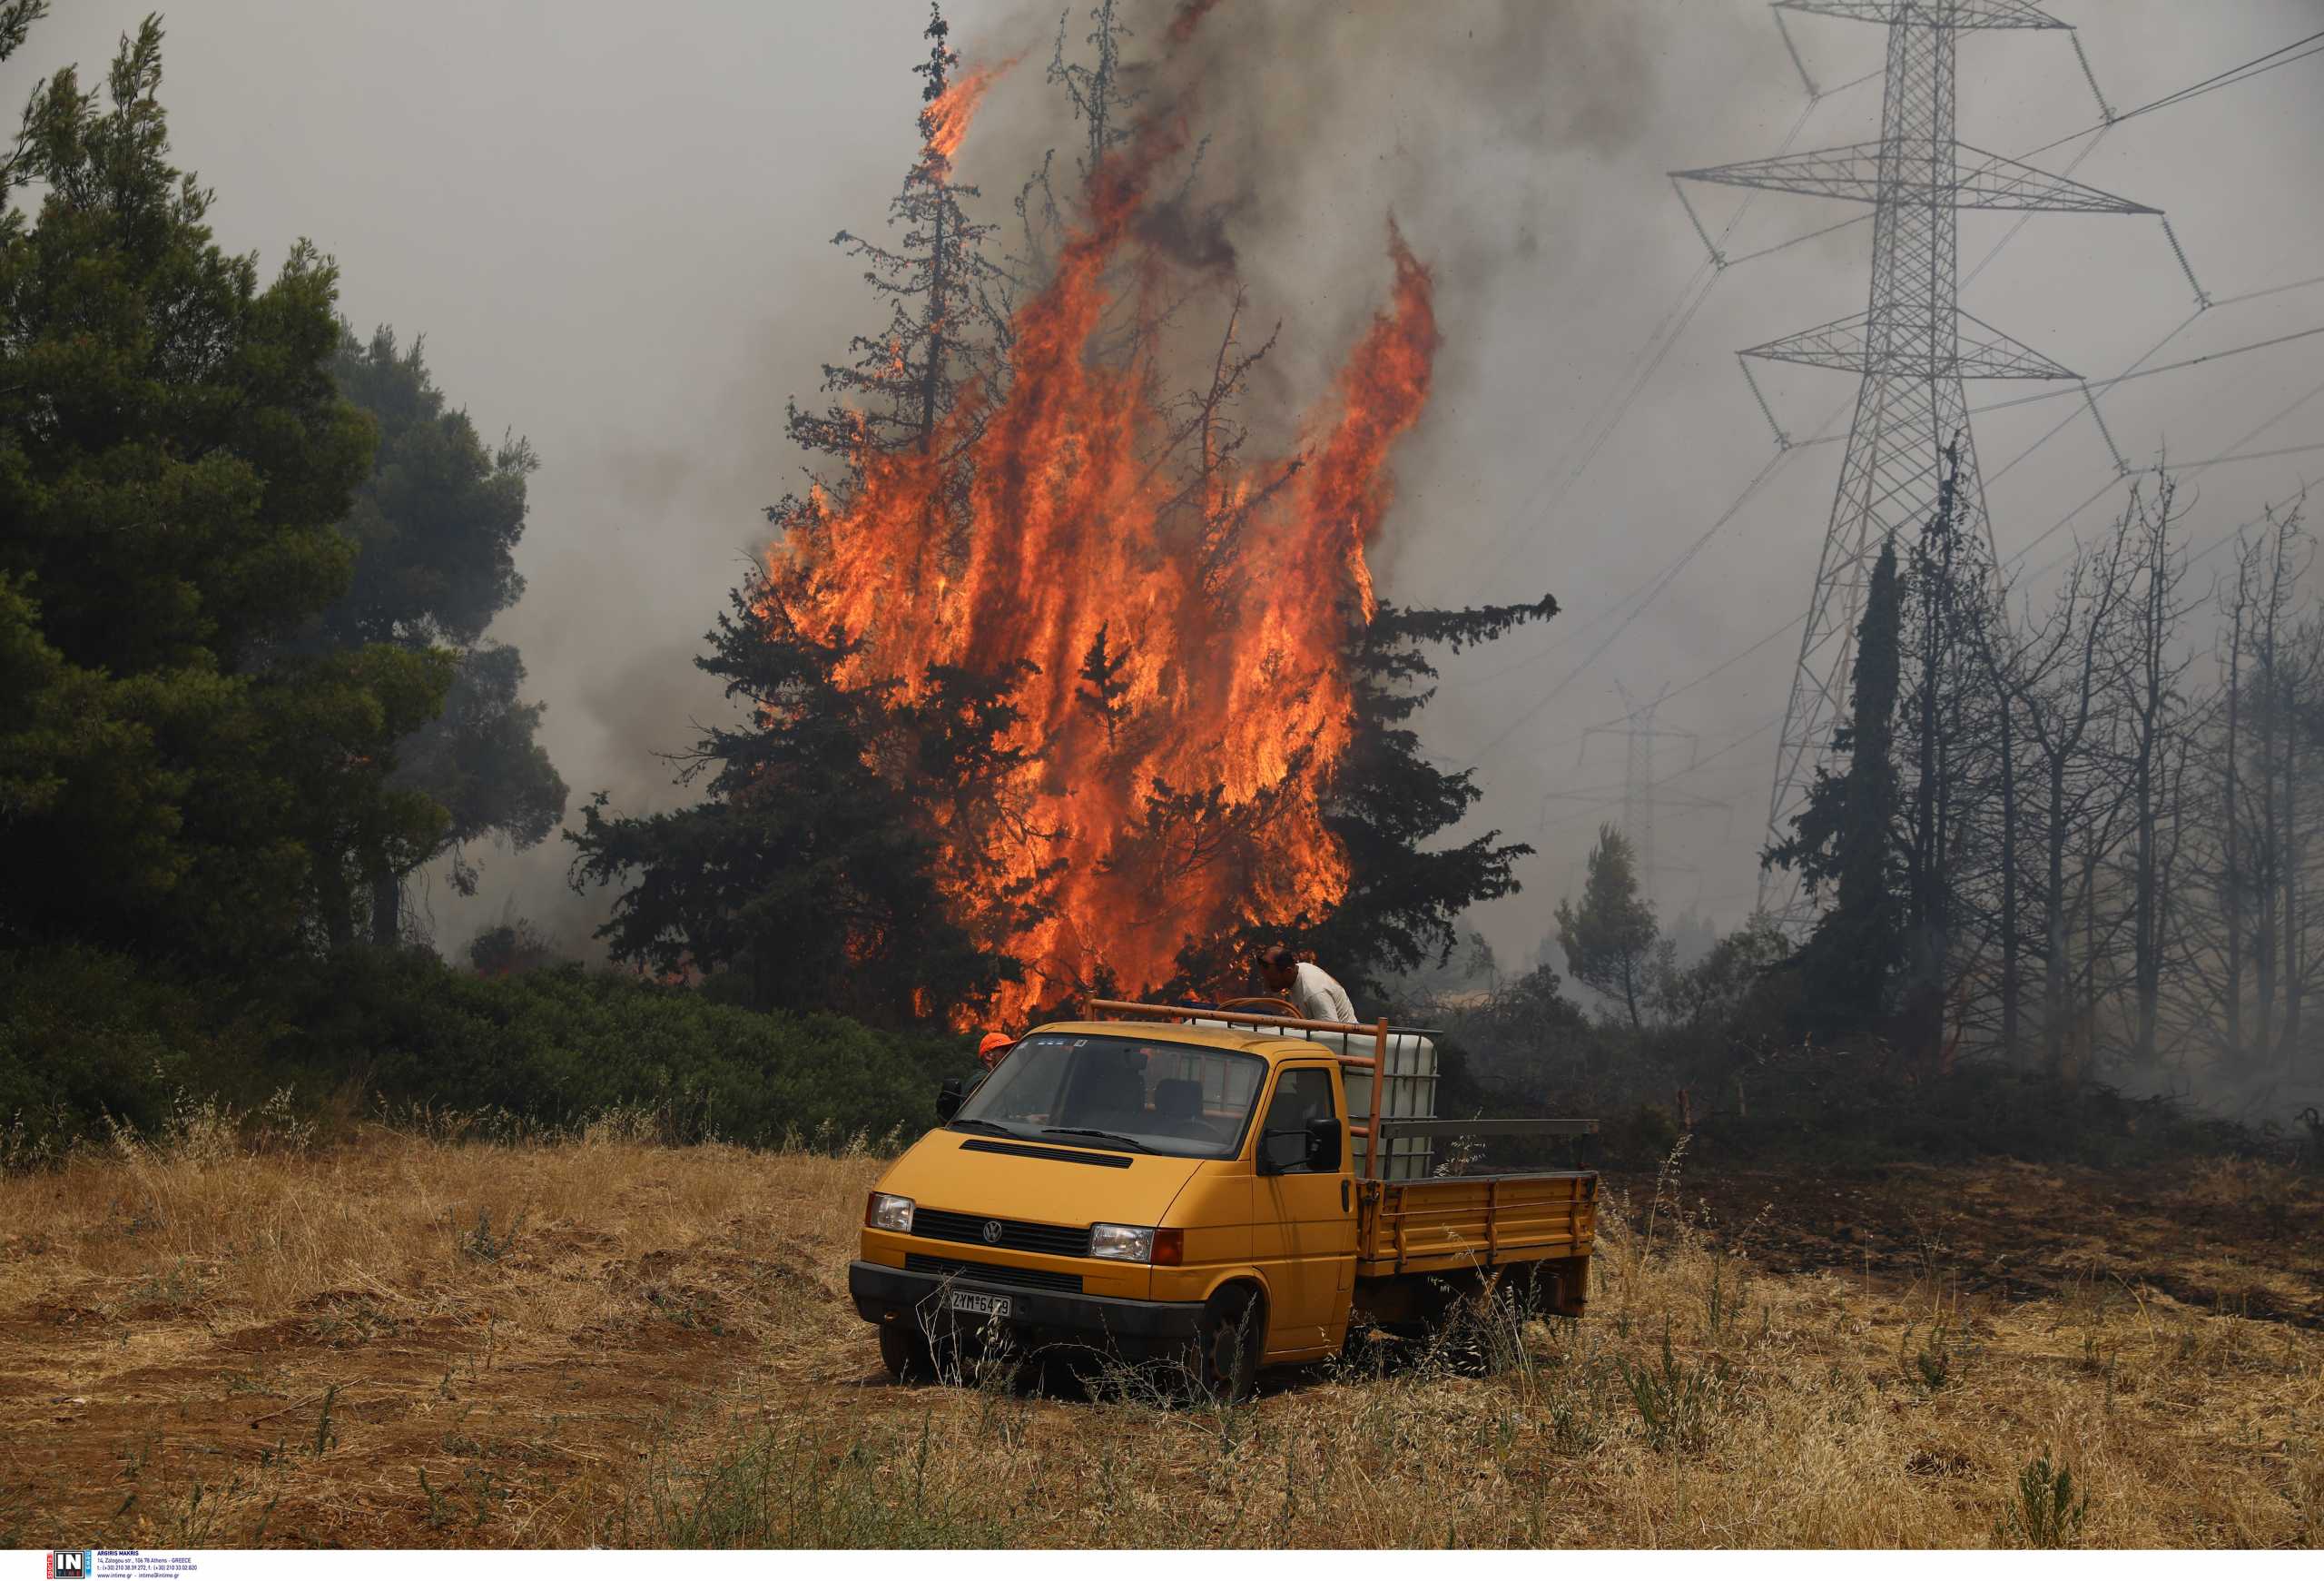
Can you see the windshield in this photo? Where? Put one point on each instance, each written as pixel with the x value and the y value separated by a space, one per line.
pixel 1160 1097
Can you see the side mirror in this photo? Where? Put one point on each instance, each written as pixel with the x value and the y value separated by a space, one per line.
pixel 948 1098
pixel 1324 1145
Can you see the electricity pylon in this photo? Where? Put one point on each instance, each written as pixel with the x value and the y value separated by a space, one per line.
pixel 1912 345
pixel 1639 733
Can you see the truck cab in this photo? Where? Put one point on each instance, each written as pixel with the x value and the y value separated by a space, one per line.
pixel 1153 1189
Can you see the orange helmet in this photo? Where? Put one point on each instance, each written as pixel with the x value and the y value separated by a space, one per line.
pixel 992 1046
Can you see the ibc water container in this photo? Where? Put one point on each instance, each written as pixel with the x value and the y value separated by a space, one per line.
pixel 1407 1092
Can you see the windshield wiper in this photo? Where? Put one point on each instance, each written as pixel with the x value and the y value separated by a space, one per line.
pixel 1130 1142
pixel 984 1125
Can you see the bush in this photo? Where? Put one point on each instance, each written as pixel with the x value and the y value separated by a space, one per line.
pixel 84 1035
pixel 2048 1510
pixel 89 1036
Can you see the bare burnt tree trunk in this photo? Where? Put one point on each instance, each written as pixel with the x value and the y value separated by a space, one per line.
pixel 387 909
pixel 1096 90
pixel 2272 695
pixel 2059 683
pixel 2151 682
pixel 2171 843
pixel 2293 976
pixel 2297 671
pixel 932 382
pixel 2086 1023
pixel 334 901
pixel 2265 849
pixel 2056 969
pixel 2012 971
pixel 2230 829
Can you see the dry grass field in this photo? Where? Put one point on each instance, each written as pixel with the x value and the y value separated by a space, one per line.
pixel 425 1341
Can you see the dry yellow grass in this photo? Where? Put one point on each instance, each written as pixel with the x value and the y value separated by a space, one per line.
pixel 417 1342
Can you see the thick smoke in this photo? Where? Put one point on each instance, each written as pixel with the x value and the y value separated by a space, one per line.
pixel 638 276
pixel 1310 130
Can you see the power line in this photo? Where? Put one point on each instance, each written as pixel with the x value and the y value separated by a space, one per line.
pixel 1678 774
pixel 1663 580
pixel 2066 422
pixel 1648 359
pixel 1652 585
pixel 2242 74
pixel 2226 302
pixel 2235 452
pixel 2252 456
pixel 2150 372
pixel 2102 386
pixel 1731 661
pixel 1698 286
pixel 2194 90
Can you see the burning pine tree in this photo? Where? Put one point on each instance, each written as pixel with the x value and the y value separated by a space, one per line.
pixel 1054 683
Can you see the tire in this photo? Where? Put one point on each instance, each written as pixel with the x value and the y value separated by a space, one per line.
pixel 1223 1361
pixel 906 1351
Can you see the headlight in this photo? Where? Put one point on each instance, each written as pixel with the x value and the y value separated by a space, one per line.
pixel 886 1212
pixel 1136 1243
pixel 1123 1242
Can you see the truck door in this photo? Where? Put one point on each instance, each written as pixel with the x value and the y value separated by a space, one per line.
pixel 1311 1212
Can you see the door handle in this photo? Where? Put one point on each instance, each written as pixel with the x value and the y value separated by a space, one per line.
pixel 1344 1195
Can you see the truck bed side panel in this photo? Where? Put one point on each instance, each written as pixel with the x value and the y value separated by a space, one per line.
pixel 1443 1225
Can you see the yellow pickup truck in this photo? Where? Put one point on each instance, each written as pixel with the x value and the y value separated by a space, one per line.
pixel 1156 1189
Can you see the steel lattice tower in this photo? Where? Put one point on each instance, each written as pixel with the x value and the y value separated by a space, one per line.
pixel 1912 345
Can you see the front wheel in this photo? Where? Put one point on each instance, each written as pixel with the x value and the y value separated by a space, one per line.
pixel 905 1350
pixel 1224 1360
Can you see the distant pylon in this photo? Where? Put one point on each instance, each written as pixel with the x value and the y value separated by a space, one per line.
pixel 1912 345
pixel 1638 729
pixel 1638 780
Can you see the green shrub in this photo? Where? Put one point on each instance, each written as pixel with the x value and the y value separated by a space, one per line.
pixel 85 1036
pixel 2048 1510
pixel 1677 1403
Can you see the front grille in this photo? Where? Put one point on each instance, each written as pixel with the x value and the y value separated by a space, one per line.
pixel 986 1273
pixel 1016 1234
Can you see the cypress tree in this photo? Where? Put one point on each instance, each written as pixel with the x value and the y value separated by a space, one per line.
pixel 1844 840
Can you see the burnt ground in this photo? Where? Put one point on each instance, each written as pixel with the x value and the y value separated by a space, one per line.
pixel 2222 1236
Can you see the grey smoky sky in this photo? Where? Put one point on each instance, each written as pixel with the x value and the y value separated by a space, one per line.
pixel 612 223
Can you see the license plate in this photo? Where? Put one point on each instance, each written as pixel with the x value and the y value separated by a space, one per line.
pixel 981 1305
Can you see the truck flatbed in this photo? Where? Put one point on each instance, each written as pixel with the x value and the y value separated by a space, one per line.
pixel 1458 1224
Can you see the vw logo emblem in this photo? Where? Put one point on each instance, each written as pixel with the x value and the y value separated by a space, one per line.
pixel 991 1232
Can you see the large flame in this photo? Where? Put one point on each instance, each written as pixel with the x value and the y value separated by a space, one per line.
pixel 1229 607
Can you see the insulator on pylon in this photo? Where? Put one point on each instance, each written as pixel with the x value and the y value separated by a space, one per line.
pixel 2202 297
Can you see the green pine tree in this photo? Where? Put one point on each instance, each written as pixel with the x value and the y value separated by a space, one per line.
pixel 436 524
pixel 177 776
pixel 808 871
pixel 1609 938
pixel 1390 805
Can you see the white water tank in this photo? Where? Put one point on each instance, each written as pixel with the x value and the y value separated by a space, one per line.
pixel 1407 1091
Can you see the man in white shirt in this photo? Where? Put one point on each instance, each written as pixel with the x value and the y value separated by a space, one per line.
pixel 1314 992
